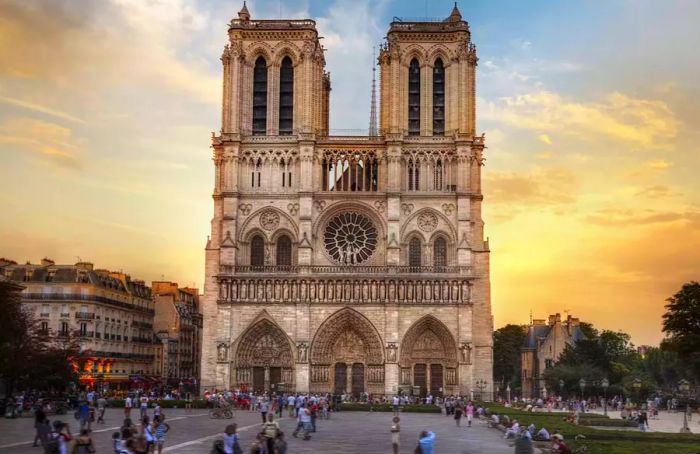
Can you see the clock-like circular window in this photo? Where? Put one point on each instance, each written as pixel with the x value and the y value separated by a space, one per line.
pixel 350 238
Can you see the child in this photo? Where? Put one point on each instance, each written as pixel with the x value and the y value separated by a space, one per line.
pixel 116 442
pixel 161 429
pixel 395 429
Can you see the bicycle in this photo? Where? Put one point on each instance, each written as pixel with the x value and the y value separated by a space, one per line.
pixel 220 413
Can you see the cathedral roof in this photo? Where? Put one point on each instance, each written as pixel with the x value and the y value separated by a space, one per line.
pixel 244 14
pixel 455 15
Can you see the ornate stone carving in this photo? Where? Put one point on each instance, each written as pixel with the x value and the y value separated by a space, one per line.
pixel 245 208
pixel 428 340
pixel 450 376
pixel 350 238
pixel 427 221
pixel 293 208
pixel 302 355
pixel 448 208
pixel 264 344
pixel 407 208
pixel 320 205
pixel 380 205
pixel 346 336
pixel 269 219
pixel 222 352
pixel 465 353
pixel 391 349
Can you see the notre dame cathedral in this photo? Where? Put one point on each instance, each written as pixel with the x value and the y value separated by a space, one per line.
pixel 348 263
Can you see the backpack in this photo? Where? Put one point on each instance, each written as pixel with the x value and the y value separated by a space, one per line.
pixel 51 445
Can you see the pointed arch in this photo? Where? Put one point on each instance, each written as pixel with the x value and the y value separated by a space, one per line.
pixel 439 99
pixel 264 344
pixel 428 340
pixel 347 336
pixel 414 95
pixel 260 96
pixel 286 96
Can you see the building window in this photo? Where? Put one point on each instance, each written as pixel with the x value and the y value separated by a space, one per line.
pixel 83 329
pixel 438 98
pixel 440 252
pixel 255 174
pixel 260 97
pixel 413 175
pixel 63 330
pixel 257 251
pixel 64 310
pixel 45 310
pixel 353 172
pixel 44 327
pixel 284 251
pixel 414 252
pixel 438 176
pixel 414 98
pixel 286 96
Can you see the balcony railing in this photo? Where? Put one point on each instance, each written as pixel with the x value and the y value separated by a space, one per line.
pixel 340 269
pixel 65 314
pixel 139 324
pixel 85 315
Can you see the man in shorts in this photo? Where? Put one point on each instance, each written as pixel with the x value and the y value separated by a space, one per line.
pixel 128 403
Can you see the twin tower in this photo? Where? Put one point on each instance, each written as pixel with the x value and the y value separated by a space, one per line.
pixel 348 264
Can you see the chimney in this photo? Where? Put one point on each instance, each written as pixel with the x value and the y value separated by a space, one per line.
pixel 552 319
pixel 84 266
pixel 47 262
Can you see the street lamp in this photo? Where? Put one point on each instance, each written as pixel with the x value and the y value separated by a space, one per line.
pixel 684 388
pixel 481 384
pixel 582 385
pixel 508 393
pixel 605 383
pixel 637 383
pixel 561 388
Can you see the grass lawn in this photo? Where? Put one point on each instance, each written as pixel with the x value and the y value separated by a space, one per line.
pixel 604 441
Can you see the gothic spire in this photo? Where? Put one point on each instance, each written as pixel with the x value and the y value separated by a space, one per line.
pixel 243 14
pixel 455 16
pixel 373 107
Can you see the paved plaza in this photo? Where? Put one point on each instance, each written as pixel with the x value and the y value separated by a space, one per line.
pixel 346 432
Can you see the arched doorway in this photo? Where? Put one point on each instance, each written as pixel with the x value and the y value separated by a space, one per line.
pixel 429 358
pixel 347 356
pixel 263 359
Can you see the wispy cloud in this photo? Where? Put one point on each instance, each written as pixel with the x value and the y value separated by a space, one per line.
pixel 48 140
pixel 39 108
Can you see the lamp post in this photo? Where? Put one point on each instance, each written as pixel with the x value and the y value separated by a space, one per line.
pixel 561 388
pixel 605 383
pixel 637 383
pixel 684 388
pixel 582 385
pixel 481 384
pixel 508 393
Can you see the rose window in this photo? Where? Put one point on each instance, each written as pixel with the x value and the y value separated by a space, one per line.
pixel 350 238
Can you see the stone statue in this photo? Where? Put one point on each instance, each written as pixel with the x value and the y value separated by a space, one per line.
pixel 302 349
pixel 391 352
pixel 466 351
pixel 222 352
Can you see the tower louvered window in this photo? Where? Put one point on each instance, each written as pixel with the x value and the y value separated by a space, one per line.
pixel 260 97
pixel 440 252
pixel 284 251
pixel 286 119
pixel 257 251
pixel 414 98
pixel 438 98
pixel 414 253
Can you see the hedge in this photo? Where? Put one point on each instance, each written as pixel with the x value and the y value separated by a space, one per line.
pixel 352 406
pixel 119 403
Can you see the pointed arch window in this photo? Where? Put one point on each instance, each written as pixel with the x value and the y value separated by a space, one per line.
pixel 260 97
pixel 438 175
pixel 414 252
pixel 413 175
pixel 438 98
pixel 414 98
pixel 257 251
pixel 440 252
pixel 286 117
pixel 255 174
pixel 284 251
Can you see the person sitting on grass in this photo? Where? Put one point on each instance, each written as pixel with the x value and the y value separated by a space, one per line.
pixel 513 430
pixel 558 445
pixel 542 435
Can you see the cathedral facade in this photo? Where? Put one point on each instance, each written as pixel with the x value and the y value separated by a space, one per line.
pixel 347 263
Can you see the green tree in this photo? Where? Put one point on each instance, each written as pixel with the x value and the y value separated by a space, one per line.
pixel 507 343
pixel 681 323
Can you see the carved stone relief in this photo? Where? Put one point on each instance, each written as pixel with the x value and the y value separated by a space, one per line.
pixel 407 208
pixel 427 221
pixel 293 208
pixel 269 219
pixel 245 208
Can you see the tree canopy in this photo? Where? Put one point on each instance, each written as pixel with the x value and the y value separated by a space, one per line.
pixel 681 324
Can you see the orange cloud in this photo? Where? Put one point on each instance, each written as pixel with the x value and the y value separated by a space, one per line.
pixel 48 140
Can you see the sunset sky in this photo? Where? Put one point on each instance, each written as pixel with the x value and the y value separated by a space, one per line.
pixel 591 111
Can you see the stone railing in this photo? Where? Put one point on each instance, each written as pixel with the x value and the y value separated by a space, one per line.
pixel 227 270
pixel 367 289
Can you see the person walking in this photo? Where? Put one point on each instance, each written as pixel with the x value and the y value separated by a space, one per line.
pixel 304 423
pixel 232 440
pixel 148 432
pixel 58 439
pixel 161 429
pixel 84 415
pixel 458 414
pixel 128 403
pixel 280 444
pixel 41 424
pixel 643 421
pixel 426 442
pixel 270 430
pixel 143 406
pixel 470 413
pixel 395 432
pixel 101 408
pixel 84 444
pixel 264 407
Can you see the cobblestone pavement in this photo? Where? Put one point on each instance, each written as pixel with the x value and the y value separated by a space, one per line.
pixel 344 433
